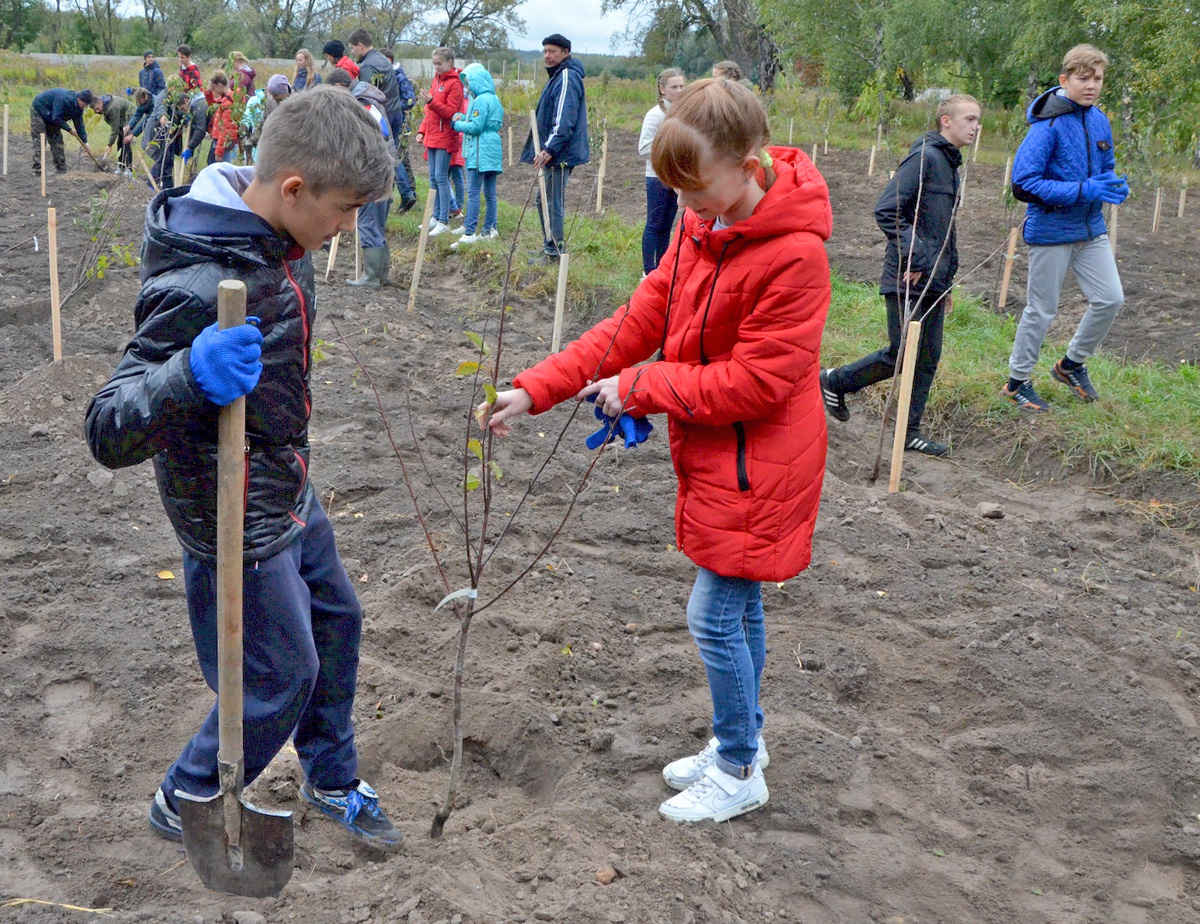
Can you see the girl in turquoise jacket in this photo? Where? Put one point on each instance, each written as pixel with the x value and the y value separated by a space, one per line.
pixel 482 149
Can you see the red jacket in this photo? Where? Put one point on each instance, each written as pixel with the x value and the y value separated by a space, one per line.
pixel 739 375
pixel 447 92
pixel 221 126
pixel 348 66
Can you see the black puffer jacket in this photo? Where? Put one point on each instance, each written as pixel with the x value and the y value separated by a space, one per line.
pixel 152 406
pixel 919 202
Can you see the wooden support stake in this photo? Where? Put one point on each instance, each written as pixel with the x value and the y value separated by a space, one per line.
pixel 1113 215
pixel 55 314
pixel 424 239
pixel 1182 200
pixel 871 163
pixel 1007 175
pixel 879 135
pixel 560 301
pixel 537 149
pixel 603 172
pixel 826 149
pixel 510 146
pixel 908 368
pixel 177 171
pixel 1009 257
pixel 975 152
pixel 814 154
pixel 43 165
pixel 791 125
pixel 333 249
pixel 6 139
pixel 1158 198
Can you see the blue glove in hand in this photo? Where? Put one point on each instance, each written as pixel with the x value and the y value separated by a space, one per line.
pixel 1105 187
pixel 634 429
pixel 226 362
pixel 186 155
pixel 1118 190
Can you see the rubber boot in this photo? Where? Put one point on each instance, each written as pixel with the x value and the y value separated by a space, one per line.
pixel 375 267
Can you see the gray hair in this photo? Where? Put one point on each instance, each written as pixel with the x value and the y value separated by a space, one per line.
pixel 327 137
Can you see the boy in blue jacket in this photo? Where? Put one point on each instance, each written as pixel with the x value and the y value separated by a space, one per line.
pixel 52 113
pixel 482 151
pixel 321 157
pixel 562 130
pixel 1064 170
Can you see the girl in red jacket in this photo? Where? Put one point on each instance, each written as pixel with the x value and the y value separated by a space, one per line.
pixel 442 100
pixel 732 319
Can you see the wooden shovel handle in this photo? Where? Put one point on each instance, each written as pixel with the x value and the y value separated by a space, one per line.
pixel 231 492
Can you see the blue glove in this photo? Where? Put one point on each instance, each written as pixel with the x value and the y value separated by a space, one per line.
pixel 1105 187
pixel 634 429
pixel 1118 189
pixel 129 91
pixel 226 362
pixel 186 155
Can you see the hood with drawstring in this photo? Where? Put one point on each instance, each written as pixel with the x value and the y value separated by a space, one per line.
pixel 734 318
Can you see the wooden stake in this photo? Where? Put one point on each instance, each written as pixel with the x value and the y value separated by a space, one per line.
pixel 510 146
pixel 871 163
pixel 975 152
pixel 1113 215
pixel 177 171
pixel 826 150
pixel 333 249
pixel 791 125
pixel 908 368
pixel 6 139
pixel 537 149
pixel 55 315
pixel 424 239
pixel 357 249
pixel 1007 175
pixel 1182 200
pixel 814 154
pixel 43 165
pixel 560 301
pixel 603 172
pixel 1009 257
pixel 1158 198
pixel 879 135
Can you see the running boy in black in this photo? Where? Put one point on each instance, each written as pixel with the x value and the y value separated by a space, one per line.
pixel 321 157
pixel 916 213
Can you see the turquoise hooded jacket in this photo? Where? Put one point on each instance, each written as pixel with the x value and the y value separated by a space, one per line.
pixel 480 126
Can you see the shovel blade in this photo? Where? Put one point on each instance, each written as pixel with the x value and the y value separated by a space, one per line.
pixel 258 866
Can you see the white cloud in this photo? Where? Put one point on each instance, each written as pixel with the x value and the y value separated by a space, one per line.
pixel 580 21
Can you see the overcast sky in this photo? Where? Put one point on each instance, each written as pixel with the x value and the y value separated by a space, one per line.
pixel 579 20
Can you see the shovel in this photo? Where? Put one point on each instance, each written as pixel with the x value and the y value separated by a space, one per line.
pixel 233 846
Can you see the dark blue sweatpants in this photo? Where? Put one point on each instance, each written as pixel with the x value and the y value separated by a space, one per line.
pixel 302 625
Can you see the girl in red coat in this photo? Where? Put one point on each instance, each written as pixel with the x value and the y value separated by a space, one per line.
pixel 442 100
pixel 732 318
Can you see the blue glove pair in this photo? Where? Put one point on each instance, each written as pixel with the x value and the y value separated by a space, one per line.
pixel 1106 187
pixel 226 363
pixel 634 429
pixel 186 155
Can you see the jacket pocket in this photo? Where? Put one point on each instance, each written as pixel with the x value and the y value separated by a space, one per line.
pixel 743 479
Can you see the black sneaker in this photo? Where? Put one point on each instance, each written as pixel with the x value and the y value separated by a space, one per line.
pixel 357 810
pixel 918 443
pixel 1075 379
pixel 407 204
pixel 164 820
pixel 835 401
pixel 1025 397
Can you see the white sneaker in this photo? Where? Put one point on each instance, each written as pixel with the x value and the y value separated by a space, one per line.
pixel 466 239
pixel 682 773
pixel 490 235
pixel 717 796
pixel 439 228
pixel 459 230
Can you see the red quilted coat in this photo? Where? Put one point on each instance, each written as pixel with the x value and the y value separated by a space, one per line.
pixel 447 91
pixel 737 375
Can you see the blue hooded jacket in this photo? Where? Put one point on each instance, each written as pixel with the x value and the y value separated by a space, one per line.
pixel 58 107
pixel 1066 144
pixel 562 117
pixel 480 127
pixel 151 78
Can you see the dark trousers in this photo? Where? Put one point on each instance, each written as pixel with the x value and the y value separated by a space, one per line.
pixel 302 625
pixel 661 206
pixel 124 149
pixel 54 139
pixel 404 180
pixel 556 199
pixel 881 364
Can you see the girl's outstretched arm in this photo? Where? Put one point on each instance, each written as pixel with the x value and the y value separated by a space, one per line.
pixel 509 404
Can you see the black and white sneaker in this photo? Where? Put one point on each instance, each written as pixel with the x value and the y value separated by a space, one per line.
pixel 164 820
pixel 918 443
pixel 835 401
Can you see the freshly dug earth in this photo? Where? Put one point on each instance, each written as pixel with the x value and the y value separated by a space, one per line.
pixel 981 698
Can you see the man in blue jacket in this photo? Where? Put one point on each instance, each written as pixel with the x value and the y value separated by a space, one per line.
pixel 150 77
pixel 562 131
pixel 50 114
pixel 1064 170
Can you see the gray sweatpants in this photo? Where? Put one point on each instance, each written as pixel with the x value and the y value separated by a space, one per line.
pixel 1095 270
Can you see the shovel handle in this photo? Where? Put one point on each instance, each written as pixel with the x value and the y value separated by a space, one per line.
pixel 231 494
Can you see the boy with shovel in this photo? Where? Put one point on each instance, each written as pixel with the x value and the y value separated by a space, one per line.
pixel 321 157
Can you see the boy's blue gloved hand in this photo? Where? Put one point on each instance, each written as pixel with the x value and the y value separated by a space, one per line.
pixel 634 429
pixel 129 91
pixel 226 362
pixel 1105 187
pixel 186 155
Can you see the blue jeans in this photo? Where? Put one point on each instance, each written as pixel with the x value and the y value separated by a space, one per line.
pixel 475 181
pixel 725 616
pixel 302 624
pixel 439 177
pixel 661 206
pixel 458 194
pixel 556 197
pixel 372 220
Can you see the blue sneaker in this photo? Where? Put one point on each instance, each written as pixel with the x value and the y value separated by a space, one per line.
pixel 357 810
pixel 1025 397
pixel 1075 379
pixel 164 820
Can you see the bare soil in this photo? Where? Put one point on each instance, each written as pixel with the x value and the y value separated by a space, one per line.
pixel 970 719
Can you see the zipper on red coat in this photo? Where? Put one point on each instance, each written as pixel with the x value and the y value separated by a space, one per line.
pixel 742 476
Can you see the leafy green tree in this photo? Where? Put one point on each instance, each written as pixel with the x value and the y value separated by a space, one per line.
pixel 20 22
